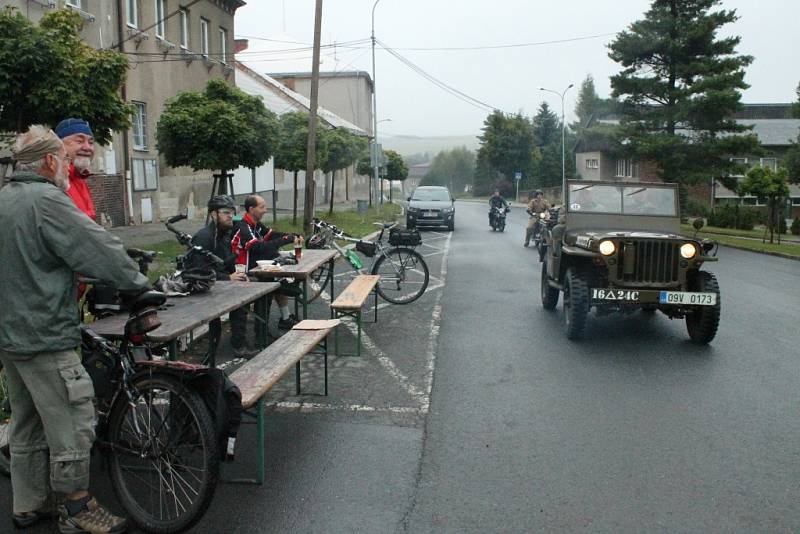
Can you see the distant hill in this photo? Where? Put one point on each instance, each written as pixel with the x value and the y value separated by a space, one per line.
pixel 407 145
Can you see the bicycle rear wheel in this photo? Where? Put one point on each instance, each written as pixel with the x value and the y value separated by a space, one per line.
pixel 404 275
pixel 164 457
pixel 317 283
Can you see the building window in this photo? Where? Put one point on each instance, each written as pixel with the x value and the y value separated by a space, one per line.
pixel 795 201
pixel 184 20
pixel 132 13
pixel 140 126
pixel 593 163
pixel 223 45
pixel 159 18
pixel 73 3
pixel 626 168
pixel 145 175
pixel 204 37
pixel 770 163
pixel 741 162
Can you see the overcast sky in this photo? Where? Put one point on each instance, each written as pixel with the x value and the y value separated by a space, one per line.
pixel 505 78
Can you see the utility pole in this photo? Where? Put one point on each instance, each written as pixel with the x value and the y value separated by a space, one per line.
pixel 311 189
pixel 563 166
pixel 376 161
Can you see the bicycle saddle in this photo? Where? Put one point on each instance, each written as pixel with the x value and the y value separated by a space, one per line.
pixel 148 299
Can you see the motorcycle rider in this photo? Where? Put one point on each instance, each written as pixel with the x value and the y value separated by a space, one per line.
pixel 538 204
pixel 496 201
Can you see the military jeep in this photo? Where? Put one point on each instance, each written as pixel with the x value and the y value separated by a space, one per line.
pixel 617 248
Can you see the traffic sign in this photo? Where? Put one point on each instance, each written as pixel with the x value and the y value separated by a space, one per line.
pixel 518 175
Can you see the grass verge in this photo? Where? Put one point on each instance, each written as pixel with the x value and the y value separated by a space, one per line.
pixel 785 249
pixel 756 234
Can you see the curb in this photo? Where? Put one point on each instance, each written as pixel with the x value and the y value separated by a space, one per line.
pixel 765 252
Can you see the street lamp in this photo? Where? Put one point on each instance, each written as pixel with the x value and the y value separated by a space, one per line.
pixel 375 162
pixel 563 169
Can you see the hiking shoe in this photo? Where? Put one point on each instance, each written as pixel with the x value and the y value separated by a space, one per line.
pixel 92 519
pixel 526 245
pixel 287 324
pixel 48 511
pixel 245 351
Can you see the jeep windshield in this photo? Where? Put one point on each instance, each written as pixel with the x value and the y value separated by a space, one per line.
pixel 629 199
pixel 427 195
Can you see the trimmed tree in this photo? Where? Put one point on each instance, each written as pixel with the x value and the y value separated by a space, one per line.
pixel 768 186
pixel 343 150
pixel 220 129
pixel 680 86
pixel 792 160
pixel 396 169
pixel 47 73
pixel 292 148
pixel 506 146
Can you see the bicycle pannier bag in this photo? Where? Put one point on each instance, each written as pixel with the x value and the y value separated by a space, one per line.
pixel 366 248
pixel 407 238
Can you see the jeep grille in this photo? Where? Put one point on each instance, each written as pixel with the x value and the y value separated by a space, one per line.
pixel 652 261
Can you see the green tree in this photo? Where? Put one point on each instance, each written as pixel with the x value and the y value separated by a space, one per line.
pixel 220 129
pixel 292 149
pixel 768 186
pixel 396 169
pixel 792 159
pixel 506 146
pixel 452 168
pixel 343 148
pixel 588 104
pixel 47 73
pixel 680 85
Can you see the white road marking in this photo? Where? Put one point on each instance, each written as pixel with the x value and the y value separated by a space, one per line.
pixel 304 406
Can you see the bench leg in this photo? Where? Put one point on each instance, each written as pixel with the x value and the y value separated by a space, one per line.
pixel 297 378
pixel 262 448
pixel 355 315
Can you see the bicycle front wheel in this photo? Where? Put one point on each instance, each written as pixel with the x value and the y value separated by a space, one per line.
pixel 164 461
pixel 404 275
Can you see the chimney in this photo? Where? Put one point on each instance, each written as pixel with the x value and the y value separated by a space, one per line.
pixel 240 45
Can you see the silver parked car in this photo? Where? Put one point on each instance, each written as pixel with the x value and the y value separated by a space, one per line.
pixel 431 206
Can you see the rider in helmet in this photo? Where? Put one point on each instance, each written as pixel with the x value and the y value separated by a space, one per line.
pixel 216 237
pixel 496 201
pixel 537 204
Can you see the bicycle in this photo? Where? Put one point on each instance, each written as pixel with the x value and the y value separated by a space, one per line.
pixel 403 272
pixel 152 424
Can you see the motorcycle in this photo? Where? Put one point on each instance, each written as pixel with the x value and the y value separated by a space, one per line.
pixel 544 226
pixel 498 218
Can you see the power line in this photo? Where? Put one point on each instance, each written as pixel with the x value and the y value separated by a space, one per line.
pixel 447 88
pixel 514 45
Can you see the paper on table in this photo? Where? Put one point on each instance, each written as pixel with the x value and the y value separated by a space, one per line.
pixel 316 324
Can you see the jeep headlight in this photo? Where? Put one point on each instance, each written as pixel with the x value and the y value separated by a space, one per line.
pixel 688 250
pixel 543 215
pixel 607 247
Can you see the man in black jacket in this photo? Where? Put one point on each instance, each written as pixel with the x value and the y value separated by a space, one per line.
pixel 216 237
pixel 252 241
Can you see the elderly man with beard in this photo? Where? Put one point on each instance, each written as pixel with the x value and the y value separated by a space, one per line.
pixel 44 240
pixel 78 140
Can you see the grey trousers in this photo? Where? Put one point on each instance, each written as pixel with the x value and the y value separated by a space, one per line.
pixel 52 425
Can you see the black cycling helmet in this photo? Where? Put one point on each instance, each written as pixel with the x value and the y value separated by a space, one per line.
pixel 221 201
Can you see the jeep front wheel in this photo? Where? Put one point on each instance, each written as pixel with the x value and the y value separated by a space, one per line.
pixel 576 304
pixel 549 294
pixel 703 321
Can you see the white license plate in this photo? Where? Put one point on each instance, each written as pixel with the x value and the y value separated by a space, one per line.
pixel 624 295
pixel 684 297
pixel 429 214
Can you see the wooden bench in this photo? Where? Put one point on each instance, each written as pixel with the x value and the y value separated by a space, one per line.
pixel 257 376
pixel 350 302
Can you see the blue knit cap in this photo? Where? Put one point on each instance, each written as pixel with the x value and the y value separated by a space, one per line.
pixel 69 127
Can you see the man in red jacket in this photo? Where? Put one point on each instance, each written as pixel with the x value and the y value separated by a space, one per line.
pixel 78 140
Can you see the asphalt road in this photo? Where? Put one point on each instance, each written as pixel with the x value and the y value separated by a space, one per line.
pixel 632 430
pixel 470 412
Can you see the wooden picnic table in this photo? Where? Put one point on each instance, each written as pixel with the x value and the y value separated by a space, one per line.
pixel 181 315
pixel 311 260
